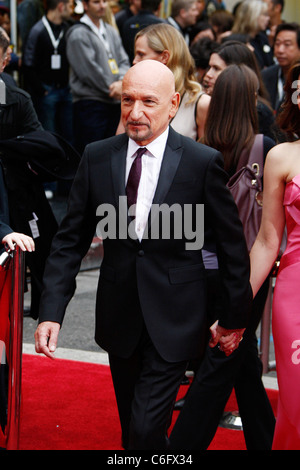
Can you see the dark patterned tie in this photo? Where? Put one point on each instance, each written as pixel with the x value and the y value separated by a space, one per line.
pixel 134 177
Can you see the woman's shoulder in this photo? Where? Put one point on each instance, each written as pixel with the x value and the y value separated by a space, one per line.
pixel 203 101
pixel 285 148
pixel 284 155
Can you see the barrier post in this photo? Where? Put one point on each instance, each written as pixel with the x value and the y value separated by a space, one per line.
pixel 12 322
pixel 15 353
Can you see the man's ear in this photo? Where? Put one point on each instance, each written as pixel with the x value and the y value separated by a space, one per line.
pixel 84 3
pixel 174 105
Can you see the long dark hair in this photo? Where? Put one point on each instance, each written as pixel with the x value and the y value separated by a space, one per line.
pixel 232 121
pixel 236 52
pixel 288 119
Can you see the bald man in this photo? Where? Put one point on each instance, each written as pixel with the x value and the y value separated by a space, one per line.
pixel 150 310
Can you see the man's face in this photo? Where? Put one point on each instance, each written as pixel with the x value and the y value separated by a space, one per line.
pixel 273 10
pixel 3 59
pixel 5 22
pixel 216 66
pixel 68 9
pixel 190 16
pixel 95 9
pixel 286 48
pixel 148 103
pixel 270 6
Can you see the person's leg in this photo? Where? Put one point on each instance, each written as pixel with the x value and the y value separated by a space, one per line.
pixel 153 402
pixel 146 387
pixel 205 400
pixel 93 120
pixel 48 108
pixel 124 373
pixel 64 117
pixel 213 383
pixel 254 406
pixel 113 114
pixel 253 403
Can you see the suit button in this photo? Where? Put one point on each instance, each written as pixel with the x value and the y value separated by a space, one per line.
pixel 141 253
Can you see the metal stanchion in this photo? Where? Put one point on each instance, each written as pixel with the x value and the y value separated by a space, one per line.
pixel 14 262
pixel 15 353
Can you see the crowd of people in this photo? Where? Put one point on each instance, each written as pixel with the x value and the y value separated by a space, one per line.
pixel 195 87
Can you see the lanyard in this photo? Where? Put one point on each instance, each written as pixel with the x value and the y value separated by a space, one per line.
pixel 103 37
pixel 55 42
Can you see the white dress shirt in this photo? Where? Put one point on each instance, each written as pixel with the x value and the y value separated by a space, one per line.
pixel 101 33
pixel 151 163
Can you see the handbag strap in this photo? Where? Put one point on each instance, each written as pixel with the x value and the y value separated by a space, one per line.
pixel 256 154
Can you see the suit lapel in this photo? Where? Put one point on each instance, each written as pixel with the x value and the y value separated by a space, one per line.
pixel 170 162
pixel 118 169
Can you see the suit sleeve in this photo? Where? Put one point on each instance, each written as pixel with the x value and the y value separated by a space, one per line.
pixel 222 216
pixel 69 246
pixel 4 230
pixel 4 211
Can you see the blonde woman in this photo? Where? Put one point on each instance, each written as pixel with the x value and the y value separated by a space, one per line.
pixel 164 43
pixel 252 18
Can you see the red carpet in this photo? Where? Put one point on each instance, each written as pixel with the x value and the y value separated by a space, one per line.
pixel 69 405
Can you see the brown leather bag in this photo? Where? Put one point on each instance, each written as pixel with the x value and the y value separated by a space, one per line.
pixel 246 187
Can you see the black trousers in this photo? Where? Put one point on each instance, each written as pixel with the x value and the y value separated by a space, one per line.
pixel 93 120
pixel 146 387
pixel 214 381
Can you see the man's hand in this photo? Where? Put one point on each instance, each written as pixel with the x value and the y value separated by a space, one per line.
pixel 228 340
pixel 46 336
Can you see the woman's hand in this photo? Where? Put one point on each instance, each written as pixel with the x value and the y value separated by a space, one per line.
pixel 228 340
pixel 23 241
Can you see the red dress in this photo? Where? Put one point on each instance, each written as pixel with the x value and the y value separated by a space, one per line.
pixel 286 327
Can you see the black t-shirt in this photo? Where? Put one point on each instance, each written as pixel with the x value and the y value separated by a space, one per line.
pixel 37 57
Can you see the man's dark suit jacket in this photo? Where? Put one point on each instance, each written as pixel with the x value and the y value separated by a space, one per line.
pixel 4 212
pixel 270 79
pixel 133 25
pixel 4 230
pixel 167 280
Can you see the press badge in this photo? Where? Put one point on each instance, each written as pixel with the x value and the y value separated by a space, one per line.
pixel 55 61
pixel 2 92
pixel 34 227
pixel 113 66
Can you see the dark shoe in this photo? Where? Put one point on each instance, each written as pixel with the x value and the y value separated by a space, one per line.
pixel 26 312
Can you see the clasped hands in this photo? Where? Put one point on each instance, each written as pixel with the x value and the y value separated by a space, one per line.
pixel 228 340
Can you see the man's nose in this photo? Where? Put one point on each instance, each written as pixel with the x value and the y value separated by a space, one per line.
pixel 280 48
pixel 136 111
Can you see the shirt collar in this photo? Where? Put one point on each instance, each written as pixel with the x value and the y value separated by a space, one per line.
pixel 156 148
pixel 86 19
